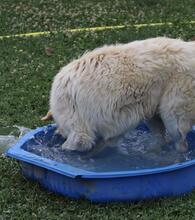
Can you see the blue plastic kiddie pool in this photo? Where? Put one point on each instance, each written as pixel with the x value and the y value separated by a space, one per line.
pixel 127 171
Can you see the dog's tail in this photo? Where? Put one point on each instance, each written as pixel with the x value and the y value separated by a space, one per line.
pixel 48 116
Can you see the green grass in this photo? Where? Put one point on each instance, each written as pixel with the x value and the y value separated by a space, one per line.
pixel 21 16
pixel 26 74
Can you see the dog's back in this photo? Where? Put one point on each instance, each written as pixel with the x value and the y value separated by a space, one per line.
pixel 113 88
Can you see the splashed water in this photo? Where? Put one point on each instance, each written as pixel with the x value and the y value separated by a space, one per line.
pixel 138 149
pixel 9 136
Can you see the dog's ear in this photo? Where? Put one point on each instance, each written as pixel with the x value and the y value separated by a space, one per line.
pixel 47 117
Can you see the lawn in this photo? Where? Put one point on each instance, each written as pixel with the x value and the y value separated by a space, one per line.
pixel 26 73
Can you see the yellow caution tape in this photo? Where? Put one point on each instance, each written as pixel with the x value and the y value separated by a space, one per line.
pixel 37 34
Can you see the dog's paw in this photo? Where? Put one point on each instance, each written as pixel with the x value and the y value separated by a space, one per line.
pixel 77 146
pixel 78 142
pixel 68 146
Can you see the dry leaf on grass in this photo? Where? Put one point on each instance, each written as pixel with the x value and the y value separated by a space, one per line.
pixel 48 51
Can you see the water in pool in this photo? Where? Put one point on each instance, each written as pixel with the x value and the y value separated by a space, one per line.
pixel 138 149
pixel 9 136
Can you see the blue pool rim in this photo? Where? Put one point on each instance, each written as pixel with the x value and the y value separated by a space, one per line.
pixel 18 153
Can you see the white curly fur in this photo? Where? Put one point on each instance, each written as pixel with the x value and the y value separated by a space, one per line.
pixel 111 89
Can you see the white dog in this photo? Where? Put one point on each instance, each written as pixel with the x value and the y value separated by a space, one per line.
pixel 111 89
